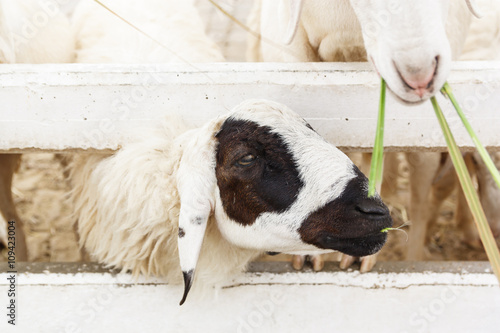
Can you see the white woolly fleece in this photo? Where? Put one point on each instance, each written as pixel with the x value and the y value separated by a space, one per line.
pixel 176 25
pixel 128 206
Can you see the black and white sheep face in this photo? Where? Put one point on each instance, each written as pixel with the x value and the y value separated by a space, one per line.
pixel 274 185
pixel 282 188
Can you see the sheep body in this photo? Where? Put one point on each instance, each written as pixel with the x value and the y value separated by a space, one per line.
pixel 34 31
pixel 175 26
pixel 483 40
pixel 318 38
pixel 329 31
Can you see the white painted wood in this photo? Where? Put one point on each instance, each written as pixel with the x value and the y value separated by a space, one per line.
pixel 77 300
pixel 68 107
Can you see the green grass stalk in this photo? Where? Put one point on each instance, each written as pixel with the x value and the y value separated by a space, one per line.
pixel 378 148
pixel 470 193
pixel 446 90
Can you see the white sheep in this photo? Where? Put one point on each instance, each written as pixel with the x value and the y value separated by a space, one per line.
pixel 258 179
pixel 104 38
pixel 411 45
pixel 483 40
pixel 31 31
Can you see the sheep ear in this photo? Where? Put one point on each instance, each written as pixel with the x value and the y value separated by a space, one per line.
pixel 472 7
pixel 196 185
pixel 293 24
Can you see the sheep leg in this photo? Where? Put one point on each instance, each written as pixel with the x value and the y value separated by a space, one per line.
pixel 8 165
pixel 346 261
pixel 298 262
pixel 464 219
pixel 423 168
pixel 64 160
pixel 489 192
pixel 367 262
pixel 317 262
pixel 83 254
pixel 465 222
pixel 390 177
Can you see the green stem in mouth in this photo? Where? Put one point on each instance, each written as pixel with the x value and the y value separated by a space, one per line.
pixel 470 193
pixel 378 148
pixel 397 229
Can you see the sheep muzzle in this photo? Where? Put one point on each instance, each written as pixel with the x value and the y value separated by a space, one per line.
pixel 351 223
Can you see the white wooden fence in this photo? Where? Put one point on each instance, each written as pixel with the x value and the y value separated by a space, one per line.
pixel 72 107
pixel 95 107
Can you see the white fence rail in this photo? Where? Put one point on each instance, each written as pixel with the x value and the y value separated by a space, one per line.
pixel 395 297
pixel 94 107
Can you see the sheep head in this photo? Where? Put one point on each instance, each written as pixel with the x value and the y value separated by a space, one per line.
pixel 407 44
pixel 407 41
pixel 274 185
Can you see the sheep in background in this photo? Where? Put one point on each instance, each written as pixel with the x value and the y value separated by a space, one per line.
pixel 104 38
pixel 259 179
pixel 410 44
pixel 483 40
pixel 31 31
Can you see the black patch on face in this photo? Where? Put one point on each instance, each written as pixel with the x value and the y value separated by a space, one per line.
pixel 182 233
pixel 351 224
pixel 255 171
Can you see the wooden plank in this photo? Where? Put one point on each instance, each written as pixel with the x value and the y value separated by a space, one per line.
pixel 462 297
pixel 95 107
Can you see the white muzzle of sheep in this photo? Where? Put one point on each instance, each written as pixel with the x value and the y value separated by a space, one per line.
pixel 274 185
pixel 405 40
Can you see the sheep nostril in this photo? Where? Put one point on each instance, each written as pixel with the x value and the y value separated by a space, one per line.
pixel 369 207
pixel 419 79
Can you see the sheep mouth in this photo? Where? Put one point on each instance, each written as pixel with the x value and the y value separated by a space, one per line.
pixel 397 97
pixel 356 247
pixel 404 101
pixel 409 89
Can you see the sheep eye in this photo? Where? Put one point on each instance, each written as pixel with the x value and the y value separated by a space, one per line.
pixel 246 160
